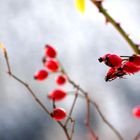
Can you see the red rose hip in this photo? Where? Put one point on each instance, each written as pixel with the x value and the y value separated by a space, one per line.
pixel 111 60
pixel 136 112
pixel 135 59
pixel 50 51
pixel 52 65
pixel 130 68
pixel 41 75
pixel 110 75
pixel 58 114
pixel 57 95
pixel 61 79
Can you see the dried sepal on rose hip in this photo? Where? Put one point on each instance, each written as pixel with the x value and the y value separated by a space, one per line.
pixel 52 65
pixel 41 75
pixel 57 95
pixel 50 51
pixel 136 112
pixel 61 79
pixel 58 114
pixel 111 60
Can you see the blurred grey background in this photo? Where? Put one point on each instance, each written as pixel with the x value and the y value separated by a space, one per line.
pixel 26 26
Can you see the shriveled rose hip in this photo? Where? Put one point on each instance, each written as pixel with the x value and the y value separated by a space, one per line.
pixel 52 65
pixel 57 95
pixel 50 51
pixel 58 114
pixel 61 79
pixel 41 75
pixel 136 112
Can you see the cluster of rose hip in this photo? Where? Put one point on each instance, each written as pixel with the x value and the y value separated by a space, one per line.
pixel 120 65
pixel 52 65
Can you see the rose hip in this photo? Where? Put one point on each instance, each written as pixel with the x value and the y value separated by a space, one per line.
pixel 57 95
pixel 58 114
pixel 136 112
pixel 52 65
pixel 130 67
pixel 61 79
pixel 41 75
pixel 50 51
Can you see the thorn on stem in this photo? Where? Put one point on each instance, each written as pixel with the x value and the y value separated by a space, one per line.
pixel 117 24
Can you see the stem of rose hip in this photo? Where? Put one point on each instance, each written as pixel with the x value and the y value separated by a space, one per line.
pixel 117 26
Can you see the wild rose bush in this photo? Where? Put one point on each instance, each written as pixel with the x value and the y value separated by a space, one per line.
pixel 118 67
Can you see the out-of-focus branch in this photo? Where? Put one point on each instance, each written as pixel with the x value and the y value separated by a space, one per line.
pixel 72 107
pixel 88 125
pixel 98 4
pixel 85 95
pixel 72 130
pixel 31 91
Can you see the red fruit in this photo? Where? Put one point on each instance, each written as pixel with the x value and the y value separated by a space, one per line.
pixel 57 95
pixel 41 75
pixel 52 65
pixel 58 114
pixel 136 112
pixel 61 79
pixel 135 59
pixel 110 75
pixel 111 60
pixel 130 68
pixel 50 51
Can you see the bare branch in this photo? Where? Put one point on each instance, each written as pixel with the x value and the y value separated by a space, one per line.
pixel 72 107
pixel 93 103
pixel 98 4
pixel 30 90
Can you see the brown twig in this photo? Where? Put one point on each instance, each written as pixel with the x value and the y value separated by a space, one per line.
pixel 72 107
pixel 30 90
pixel 93 103
pixel 90 130
pixel 72 130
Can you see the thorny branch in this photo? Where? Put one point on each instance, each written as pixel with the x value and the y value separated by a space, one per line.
pixel 117 26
